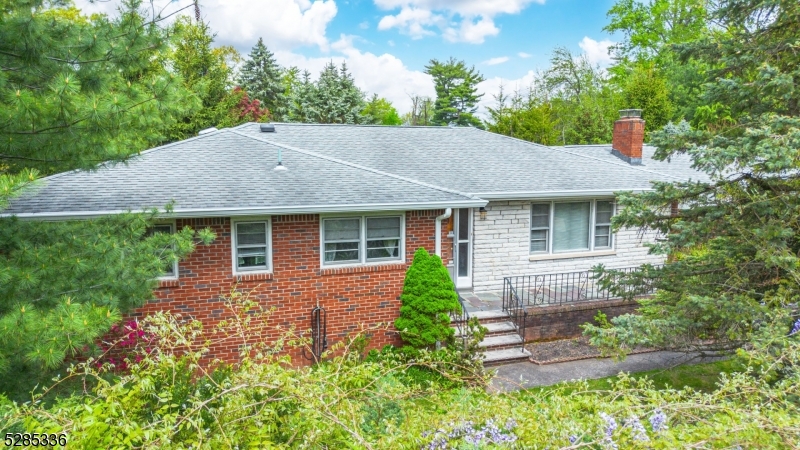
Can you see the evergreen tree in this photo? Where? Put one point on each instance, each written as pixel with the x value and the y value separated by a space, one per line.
pixel 206 71
pixel 647 90
pixel 76 91
pixel 333 98
pixel 428 298
pixel 262 78
pixel 733 242
pixel 456 92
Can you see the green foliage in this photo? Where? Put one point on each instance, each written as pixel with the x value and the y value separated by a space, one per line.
pixel 584 104
pixel 76 91
pixel 332 98
pixel 170 400
pixel 456 92
pixel 646 89
pixel 428 298
pixel 206 72
pixel 262 78
pixel 382 111
pixel 733 245
pixel 529 119
pixel 65 283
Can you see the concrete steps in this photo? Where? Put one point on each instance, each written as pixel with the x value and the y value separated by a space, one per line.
pixel 502 344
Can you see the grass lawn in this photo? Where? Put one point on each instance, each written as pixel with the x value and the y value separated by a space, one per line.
pixel 700 377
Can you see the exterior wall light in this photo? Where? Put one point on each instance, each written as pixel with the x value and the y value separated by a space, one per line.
pixel 483 213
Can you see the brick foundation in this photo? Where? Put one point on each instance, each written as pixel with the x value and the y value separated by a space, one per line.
pixel 353 296
pixel 548 323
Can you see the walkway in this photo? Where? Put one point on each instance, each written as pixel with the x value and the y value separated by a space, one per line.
pixel 523 375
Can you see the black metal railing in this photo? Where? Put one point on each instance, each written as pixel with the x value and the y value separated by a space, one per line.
pixel 460 319
pixel 515 308
pixel 571 287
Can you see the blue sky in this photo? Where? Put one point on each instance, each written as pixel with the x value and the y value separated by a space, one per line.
pixel 387 43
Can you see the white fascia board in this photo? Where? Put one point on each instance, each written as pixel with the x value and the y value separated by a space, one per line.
pixel 553 194
pixel 279 210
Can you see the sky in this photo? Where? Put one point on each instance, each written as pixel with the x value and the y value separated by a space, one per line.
pixel 387 43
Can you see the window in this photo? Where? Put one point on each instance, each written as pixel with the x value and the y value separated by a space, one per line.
pixel 602 224
pixel 170 269
pixel 252 246
pixel 562 227
pixel 540 227
pixel 354 240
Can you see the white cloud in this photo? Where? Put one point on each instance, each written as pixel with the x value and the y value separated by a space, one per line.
pixel 385 74
pixel 458 20
pixel 524 55
pixel 596 52
pixel 284 24
pixel 495 61
pixel 363 25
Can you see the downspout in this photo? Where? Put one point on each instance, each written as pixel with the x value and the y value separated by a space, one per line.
pixel 439 219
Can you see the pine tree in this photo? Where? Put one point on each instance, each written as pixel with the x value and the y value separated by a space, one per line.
pixel 76 91
pixel 333 98
pixel 733 240
pixel 456 92
pixel 262 78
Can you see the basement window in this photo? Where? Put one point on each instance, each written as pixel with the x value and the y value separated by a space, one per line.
pixel 362 239
pixel 574 226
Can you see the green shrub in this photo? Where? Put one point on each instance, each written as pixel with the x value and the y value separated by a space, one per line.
pixel 428 299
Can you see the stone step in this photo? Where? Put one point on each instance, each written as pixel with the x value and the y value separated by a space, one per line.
pixel 505 356
pixel 496 328
pixel 490 316
pixel 500 341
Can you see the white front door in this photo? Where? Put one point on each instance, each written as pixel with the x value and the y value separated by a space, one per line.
pixel 462 247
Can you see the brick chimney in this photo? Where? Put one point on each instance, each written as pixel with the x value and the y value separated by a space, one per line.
pixel 628 136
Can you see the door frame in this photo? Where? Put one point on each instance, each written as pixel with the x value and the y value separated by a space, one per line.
pixel 464 282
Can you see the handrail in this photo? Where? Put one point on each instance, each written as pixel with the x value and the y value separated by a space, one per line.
pixel 513 306
pixel 461 319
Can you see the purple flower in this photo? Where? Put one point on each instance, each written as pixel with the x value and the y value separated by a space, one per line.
pixel 573 439
pixel 611 424
pixel 795 328
pixel 658 421
pixel 638 431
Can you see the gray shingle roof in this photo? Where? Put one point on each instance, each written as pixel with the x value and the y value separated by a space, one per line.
pixel 341 168
pixel 226 173
pixel 471 160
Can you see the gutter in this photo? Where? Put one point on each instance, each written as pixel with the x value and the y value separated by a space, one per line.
pixel 439 219
pixel 263 211
pixel 525 195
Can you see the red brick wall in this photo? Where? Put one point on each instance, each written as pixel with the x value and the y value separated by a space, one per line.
pixel 547 323
pixel 628 137
pixel 352 296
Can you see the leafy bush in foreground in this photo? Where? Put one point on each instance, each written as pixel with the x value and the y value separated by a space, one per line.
pixel 168 399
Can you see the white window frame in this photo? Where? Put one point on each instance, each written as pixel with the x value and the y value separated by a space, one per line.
pixel 172 229
pixel 235 246
pixel 362 244
pixel 592 228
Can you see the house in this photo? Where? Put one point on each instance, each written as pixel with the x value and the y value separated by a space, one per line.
pixel 331 215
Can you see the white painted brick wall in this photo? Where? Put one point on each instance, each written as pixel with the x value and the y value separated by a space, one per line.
pixel 501 245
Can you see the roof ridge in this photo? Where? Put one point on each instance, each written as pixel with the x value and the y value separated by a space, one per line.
pixel 160 147
pixel 364 125
pixel 563 150
pixel 357 166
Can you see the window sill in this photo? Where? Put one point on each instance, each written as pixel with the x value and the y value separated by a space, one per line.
pixel 168 282
pixel 362 269
pixel 253 276
pixel 550 256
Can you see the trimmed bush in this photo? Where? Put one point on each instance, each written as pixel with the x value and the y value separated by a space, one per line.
pixel 428 299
